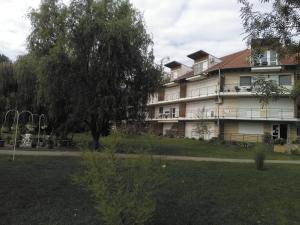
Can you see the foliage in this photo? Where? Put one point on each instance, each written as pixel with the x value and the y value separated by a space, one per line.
pixel 295 151
pixel 124 189
pixel 267 138
pixel 280 23
pixel 295 93
pixel 260 159
pixel 97 65
pixel 267 90
pixel 4 58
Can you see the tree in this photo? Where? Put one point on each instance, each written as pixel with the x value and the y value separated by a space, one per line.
pixel 4 58
pixel 48 42
pixel 281 23
pixel 8 86
pixel 267 90
pixel 27 81
pixel 110 54
pixel 124 189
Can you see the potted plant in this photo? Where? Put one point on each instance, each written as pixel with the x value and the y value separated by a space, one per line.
pixel 237 88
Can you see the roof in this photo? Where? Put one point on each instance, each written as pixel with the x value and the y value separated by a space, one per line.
pixel 198 54
pixel 173 64
pixel 237 60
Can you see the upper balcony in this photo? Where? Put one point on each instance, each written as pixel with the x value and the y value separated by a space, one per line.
pixel 230 113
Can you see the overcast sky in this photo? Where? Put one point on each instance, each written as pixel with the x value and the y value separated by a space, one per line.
pixel 179 27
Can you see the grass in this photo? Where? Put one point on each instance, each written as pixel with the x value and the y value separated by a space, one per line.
pixel 189 147
pixel 37 190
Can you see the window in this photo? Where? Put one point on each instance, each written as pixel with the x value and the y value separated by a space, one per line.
pixel 200 67
pixel 273 58
pixel 245 81
pixel 285 80
pixel 173 112
pixel 267 58
pixel 161 110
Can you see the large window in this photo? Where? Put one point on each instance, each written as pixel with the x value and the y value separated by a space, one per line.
pixel 200 67
pixel 267 58
pixel 245 81
pixel 285 80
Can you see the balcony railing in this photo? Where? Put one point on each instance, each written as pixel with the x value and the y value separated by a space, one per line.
pixel 203 91
pixel 171 97
pixel 235 87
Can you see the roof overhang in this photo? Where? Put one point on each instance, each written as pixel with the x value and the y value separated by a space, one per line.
pixel 198 54
pixel 266 69
pixel 173 64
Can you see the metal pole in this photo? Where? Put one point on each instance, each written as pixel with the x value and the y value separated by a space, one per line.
pixel 16 133
pixel 38 142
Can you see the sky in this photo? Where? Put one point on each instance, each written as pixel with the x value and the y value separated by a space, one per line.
pixel 178 27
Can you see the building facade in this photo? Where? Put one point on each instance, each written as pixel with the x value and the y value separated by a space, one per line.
pixel 216 98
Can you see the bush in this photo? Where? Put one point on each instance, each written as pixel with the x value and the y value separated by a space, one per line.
pixel 279 141
pixel 267 138
pixel 125 190
pixel 260 160
pixel 295 151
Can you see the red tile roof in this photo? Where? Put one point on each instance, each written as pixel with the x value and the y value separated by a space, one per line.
pixel 239 59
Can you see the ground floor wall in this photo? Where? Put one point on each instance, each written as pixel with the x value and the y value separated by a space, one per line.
pixel 244 131
pixel 256 131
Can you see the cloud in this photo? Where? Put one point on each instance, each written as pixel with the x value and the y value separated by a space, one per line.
pixel 179 27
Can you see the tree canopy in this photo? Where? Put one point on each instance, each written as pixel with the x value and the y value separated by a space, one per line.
pixel 95 62
pixel 280 23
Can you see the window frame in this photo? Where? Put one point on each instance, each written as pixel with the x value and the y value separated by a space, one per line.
pixel 246 85
pixel 285 75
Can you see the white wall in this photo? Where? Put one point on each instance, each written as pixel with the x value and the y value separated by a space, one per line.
pixel 251 128
pixel 190 130
pixel 202 87
pixel 167 126
pixel 195 109
pixel 172 93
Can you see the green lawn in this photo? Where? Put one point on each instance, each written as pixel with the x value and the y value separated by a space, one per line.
pixel 189 147
pixel 37 190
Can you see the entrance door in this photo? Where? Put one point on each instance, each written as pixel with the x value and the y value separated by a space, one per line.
pixel 280 131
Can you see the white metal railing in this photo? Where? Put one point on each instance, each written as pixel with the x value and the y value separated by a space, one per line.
pixel 171 97
pixel 202 113
pixel 238 113
pixel 252 113
pixel 203 91
pixel 235 87
pixel 231 113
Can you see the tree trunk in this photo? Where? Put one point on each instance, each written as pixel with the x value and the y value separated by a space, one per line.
pixel 96 136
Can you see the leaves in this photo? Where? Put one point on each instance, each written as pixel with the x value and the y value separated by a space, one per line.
pixel 124 189
pixel 267 90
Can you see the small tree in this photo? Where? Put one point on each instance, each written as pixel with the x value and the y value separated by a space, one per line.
pixel 124 189
pixel 267 90
pixel 201 126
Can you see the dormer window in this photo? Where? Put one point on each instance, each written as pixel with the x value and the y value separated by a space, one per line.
pixel 199 67
pixel 267 58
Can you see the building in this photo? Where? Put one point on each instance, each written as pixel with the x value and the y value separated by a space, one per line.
pixel 218 94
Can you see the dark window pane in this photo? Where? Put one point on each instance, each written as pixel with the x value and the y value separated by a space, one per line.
pixel 285 80
pixel 245 81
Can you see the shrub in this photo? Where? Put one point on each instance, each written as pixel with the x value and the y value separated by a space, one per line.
pixel 260 160
pixel 267 138
pixel 279 141
pixel 295 151
pixel 125 190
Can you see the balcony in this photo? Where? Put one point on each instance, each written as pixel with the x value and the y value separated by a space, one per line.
pixel 285 114
pixel 203 91
pixel 172 97
pixel 236 88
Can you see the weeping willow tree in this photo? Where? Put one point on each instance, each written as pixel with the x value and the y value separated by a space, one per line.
pixel 97 62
